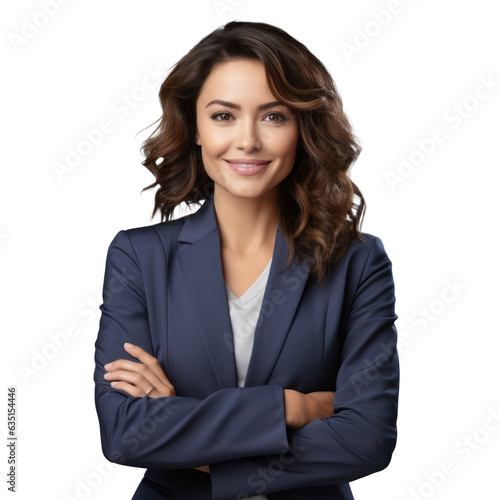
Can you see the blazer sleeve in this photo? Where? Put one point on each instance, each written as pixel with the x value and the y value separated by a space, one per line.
pixel 359 438
pixel 170 432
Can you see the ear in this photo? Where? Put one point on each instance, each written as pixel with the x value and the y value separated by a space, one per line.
pixel 198 142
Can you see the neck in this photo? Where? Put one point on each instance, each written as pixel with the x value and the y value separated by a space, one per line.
pixel 247 225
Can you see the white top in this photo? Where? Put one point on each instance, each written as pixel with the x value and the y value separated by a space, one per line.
pixel 244 312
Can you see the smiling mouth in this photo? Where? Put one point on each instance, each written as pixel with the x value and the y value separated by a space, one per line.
pixel 248 163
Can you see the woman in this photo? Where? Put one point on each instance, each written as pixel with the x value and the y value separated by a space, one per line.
pixel 263 360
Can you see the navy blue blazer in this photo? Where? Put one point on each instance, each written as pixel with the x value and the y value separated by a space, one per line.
pixel 164 291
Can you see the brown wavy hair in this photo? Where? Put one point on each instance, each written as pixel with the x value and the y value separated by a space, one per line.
pixel 320 215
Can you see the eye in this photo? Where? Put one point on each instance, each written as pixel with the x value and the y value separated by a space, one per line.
pixel 222 113
pixel 279 115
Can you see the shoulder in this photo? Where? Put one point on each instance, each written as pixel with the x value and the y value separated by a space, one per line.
pixel 362 255
pixel 361 249
pixel 146 241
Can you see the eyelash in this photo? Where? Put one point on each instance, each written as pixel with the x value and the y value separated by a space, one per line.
pixel 282 116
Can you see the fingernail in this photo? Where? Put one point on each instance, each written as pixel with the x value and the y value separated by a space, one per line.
pixel 128 346
pixel 108 366
pixel 113 383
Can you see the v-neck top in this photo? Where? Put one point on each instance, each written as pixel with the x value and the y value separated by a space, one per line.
pixel 253 292
pixel 244 312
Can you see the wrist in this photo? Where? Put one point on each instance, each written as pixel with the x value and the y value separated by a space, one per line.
pixel 299 408
pixel 309 408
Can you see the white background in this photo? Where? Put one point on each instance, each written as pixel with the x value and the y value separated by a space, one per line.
pixel 409 72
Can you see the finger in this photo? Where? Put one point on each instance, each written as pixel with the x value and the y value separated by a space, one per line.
pixel 139 383
pixel 130 377
pixel 128 388
pixel 205 468
pixel 148 360
pixel 137 373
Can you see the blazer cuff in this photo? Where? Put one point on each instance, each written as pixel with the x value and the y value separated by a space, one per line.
pixel 226 476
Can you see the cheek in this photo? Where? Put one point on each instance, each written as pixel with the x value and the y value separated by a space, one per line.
pixel 211 134
pixel 286 146
pixel 214 141
pixel 211 154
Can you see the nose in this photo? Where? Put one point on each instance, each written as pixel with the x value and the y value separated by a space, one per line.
pixel 248 135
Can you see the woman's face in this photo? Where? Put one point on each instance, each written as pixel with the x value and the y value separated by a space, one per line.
pixel 244 127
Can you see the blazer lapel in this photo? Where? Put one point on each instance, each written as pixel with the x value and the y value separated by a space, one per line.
pixel 201 265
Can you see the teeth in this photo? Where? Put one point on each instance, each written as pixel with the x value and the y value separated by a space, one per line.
pixel 249 164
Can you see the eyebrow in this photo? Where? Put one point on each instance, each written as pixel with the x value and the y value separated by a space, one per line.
pixel 237 106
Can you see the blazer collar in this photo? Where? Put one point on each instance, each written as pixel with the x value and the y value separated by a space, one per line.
pixel 201 265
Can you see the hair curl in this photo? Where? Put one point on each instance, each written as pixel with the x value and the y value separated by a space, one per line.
pixel 320 215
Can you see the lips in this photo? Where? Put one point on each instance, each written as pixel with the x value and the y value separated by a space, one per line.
pixel 245 162
pixel 249 167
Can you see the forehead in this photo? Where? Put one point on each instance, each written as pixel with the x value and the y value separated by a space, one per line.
pixel 240 81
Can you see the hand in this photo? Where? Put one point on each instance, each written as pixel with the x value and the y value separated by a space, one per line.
pixel 300 409
pixel 322 406
pixel 136 378
pixel 205 468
